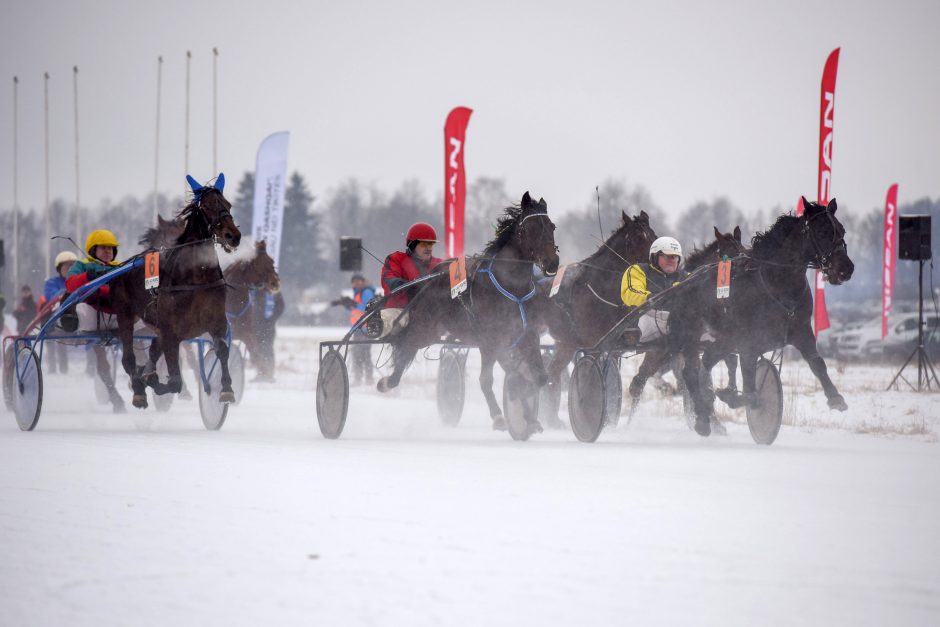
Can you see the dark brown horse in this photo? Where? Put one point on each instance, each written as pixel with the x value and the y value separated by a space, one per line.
pixel 493 312
pixel 190 299
pixel 770 305
pixel 245 278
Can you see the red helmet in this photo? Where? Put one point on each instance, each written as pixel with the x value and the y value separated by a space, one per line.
pixel 421 232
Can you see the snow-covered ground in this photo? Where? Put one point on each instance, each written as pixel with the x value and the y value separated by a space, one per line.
pixel 146 518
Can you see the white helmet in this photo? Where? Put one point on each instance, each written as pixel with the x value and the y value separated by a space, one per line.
pixel 666 246
pixel 64 257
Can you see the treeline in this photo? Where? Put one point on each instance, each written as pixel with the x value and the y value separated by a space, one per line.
pixel 309 258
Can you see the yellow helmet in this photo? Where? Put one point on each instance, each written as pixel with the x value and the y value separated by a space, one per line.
pixel 64 257
pixel 100 237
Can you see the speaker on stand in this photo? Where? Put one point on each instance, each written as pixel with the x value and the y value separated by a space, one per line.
pixel 914 245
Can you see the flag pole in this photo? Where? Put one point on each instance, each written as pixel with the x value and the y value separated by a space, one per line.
pixel 48 258
pixel 189 57
pixel 16 199
pixel 215 111
pixel 78 210
pixel 156 144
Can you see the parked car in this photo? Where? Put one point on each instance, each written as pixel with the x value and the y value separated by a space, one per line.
pixel 864 342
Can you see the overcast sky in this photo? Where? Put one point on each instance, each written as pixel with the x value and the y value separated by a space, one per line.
pixel 691 99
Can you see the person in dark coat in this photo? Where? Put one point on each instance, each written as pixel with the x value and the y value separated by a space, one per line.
pixel 25 309
pixel 266 308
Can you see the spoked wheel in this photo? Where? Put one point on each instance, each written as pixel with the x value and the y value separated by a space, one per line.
pixel 212 410
pixel 520 405
pixel 765 418
pixel 27 390
pixel 236 369
pixel 450 387
pixel 613 388
pixel 162 402
pixel 332 395
pixel 9 376
pixel 587 399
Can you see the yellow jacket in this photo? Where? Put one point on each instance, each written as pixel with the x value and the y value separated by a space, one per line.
pixel 642 279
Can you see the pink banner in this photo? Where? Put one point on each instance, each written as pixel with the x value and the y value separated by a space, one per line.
pixel 455 179
pixel 890 255
pixel 826 121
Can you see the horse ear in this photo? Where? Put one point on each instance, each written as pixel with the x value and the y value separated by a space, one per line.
pixel 623 216
pixel 806 203
pixel 644 217
pixel 193 183
pixel 220 182
pixel 543 204
pixel 832 206
pixel 717 232
pixel 261 245
pixel 526 199
pixel 737 233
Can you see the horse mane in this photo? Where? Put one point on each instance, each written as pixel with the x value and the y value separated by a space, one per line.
pixel 505 227
pixel 773 238
pixel 697 256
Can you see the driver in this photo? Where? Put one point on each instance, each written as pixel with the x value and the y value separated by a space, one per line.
pixel 95 312
pixel 641 280
pixel 403 266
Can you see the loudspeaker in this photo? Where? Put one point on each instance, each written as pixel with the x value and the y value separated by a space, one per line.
pixel 350 254
pixel 914 237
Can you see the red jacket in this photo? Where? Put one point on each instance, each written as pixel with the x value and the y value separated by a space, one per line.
pixel 399 268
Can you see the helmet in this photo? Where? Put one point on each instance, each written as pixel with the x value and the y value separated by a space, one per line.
pixel 100 237
pixel 666 246
pixel 64 257
pixel 420 232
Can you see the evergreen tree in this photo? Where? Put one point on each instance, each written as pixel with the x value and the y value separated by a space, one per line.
pixel 244 204
pixel 301 261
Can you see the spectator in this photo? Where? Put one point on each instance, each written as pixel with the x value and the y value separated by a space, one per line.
pixel 25 309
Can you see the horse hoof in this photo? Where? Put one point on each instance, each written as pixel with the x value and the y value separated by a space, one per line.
pixel 718 428
pixel 703 427
pixel 383 385
pixel 140 401
pixel 499 424
pixel 554 422
pixel 837 402
pixel 534 427
pixel 226 397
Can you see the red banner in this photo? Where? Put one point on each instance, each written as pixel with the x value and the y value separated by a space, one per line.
pixel 826 119
pixel 890 254
pixel 455 179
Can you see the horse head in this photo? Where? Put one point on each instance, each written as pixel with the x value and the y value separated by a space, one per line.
pixel 824 241
pixel 260 270
pixel 217 211
pixel 534 234
pixel 729 244
pixel 632 240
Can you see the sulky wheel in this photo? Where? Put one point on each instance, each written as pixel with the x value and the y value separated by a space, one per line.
pixel 27 390
pixel 212 410
pixel 236 369
pixel 520 405
pixel 450 388
pixel 587 399
pixel 765 417
pixel 332 395
pixel 613 388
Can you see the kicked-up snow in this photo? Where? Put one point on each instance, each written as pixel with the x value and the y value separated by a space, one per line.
pixel 146 518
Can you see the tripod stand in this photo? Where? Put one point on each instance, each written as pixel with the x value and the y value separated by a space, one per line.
pixel 925 369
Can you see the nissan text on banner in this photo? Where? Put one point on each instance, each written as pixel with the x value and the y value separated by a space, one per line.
pixel 890 254
pixel 826 120
pixel 455 179
pixel 270 187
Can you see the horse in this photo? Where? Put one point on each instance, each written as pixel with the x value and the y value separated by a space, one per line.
pixel 190 299
pixel 244 277
pixel 492 312
pixel 770 305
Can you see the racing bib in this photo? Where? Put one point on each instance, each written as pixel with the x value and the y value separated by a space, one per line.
pixel 152 270
pixel 556 284
pixel 724 280
pixel 458 277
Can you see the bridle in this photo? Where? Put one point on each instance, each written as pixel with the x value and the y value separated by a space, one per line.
pixel 822 259
pixel 522 235
pixel 223 213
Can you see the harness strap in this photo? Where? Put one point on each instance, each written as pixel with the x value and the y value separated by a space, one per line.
pixel 519 301
pixel 189 288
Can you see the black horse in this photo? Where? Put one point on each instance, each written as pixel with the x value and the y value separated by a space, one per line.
pixel 190 299
pixel 492 313
pixel 770 305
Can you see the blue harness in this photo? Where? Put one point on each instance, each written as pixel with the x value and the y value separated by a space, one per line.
pixel 519 301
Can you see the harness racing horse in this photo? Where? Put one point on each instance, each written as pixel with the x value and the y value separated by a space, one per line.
pixel 190 299
pixel 492 313
pixel 770 305
pixel 724 245
pixel 243 278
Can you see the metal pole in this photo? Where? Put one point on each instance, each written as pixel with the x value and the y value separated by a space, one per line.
pixel 16 199
pixel 78 205
pixel 920 330
pixel 215 111
pixel 48 259
pixel 189 57
pixel 156 149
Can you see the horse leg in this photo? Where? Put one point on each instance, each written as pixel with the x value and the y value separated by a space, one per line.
pixel 691 375
pixel 126 333
pixel 171 353
pixel 405 345
pixel 804 341
pixel 487 360
pixel 104 373
pixel 731 363
pixel 226 395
